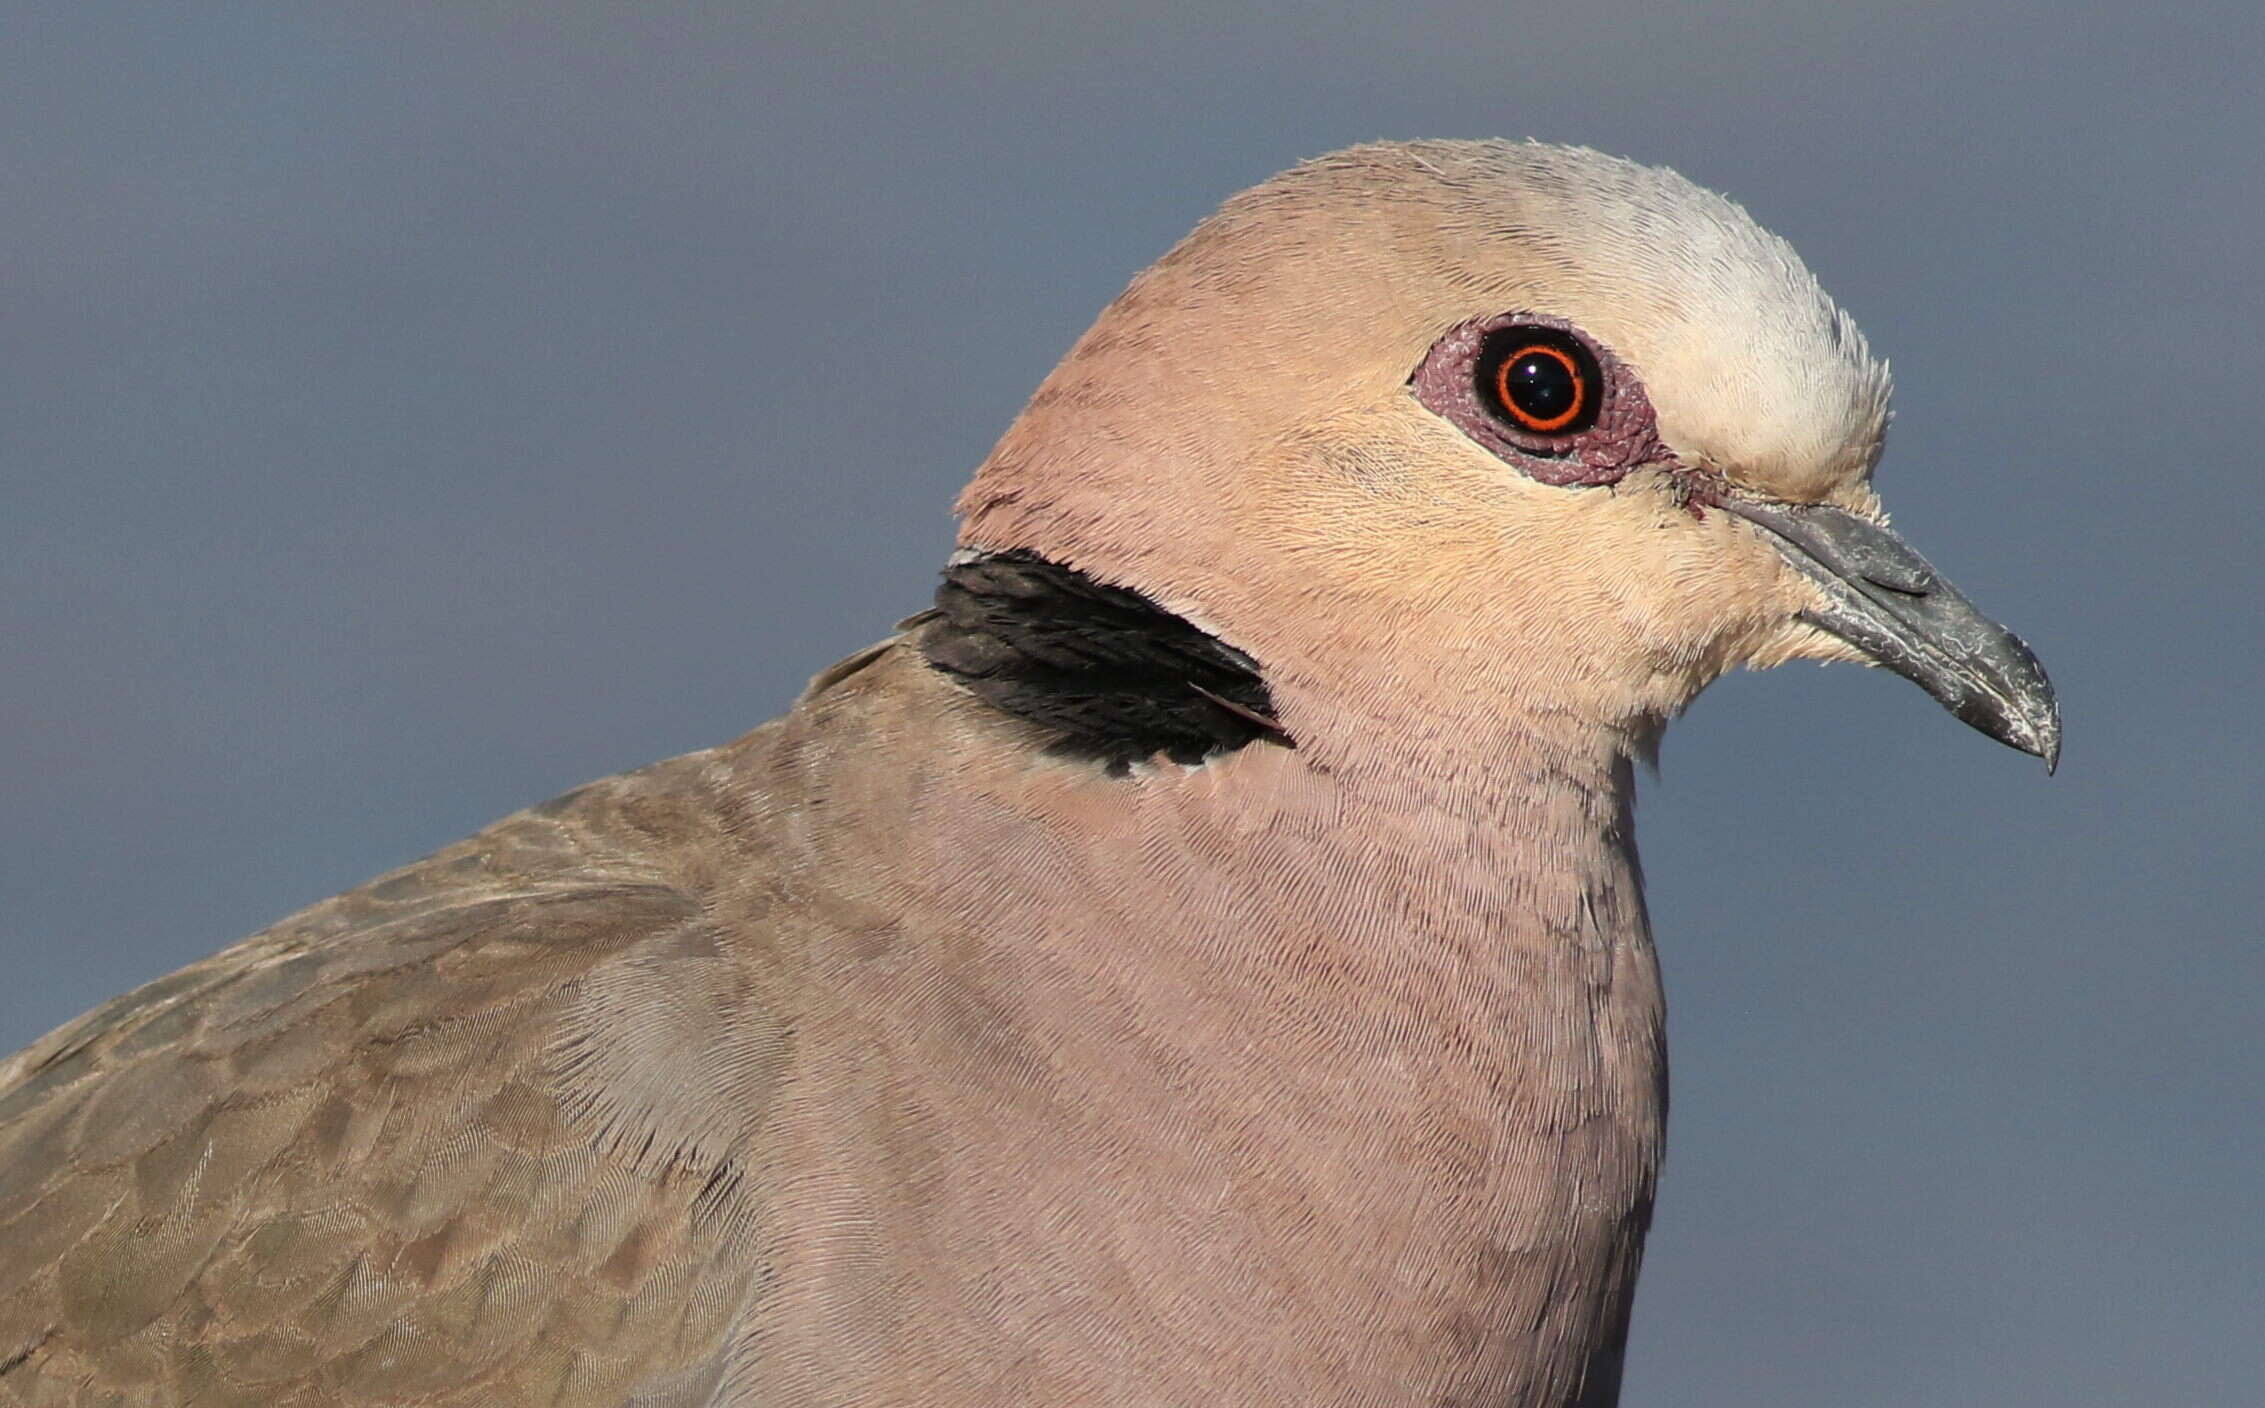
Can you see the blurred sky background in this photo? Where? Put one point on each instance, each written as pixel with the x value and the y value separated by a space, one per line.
pixel 408 412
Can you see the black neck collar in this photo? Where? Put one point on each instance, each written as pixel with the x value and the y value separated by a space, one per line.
pixel 1110 674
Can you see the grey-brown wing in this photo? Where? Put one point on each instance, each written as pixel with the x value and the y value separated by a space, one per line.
pixel 384 1152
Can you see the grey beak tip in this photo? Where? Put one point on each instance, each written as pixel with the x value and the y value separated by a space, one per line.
pixel 2037 705
pixel 2044 743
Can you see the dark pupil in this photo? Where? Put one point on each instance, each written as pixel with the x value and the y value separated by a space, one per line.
pixel 1538 384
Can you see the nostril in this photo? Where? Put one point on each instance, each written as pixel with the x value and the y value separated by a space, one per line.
pixel 1907 586
pixel 1910 577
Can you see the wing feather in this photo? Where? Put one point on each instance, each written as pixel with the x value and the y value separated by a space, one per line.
pixel 397 1148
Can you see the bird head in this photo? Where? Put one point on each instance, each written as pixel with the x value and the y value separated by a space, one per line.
pixel 1438 429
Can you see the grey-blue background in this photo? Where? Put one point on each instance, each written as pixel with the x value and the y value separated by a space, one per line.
pixel 408 413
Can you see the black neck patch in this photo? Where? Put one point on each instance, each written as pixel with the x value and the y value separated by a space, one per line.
pixel 1112 675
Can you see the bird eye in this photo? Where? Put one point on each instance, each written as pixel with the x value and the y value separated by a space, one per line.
pixel 1540 395
pixel 1539 380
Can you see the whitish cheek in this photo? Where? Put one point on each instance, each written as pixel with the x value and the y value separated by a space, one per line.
pixel 1798 640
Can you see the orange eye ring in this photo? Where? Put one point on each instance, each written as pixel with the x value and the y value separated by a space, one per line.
pixel 1547 373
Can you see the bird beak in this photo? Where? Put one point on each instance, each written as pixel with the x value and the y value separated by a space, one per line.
pixel 1880 596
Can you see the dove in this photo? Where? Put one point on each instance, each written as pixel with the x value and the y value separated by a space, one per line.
pixel 1201 959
